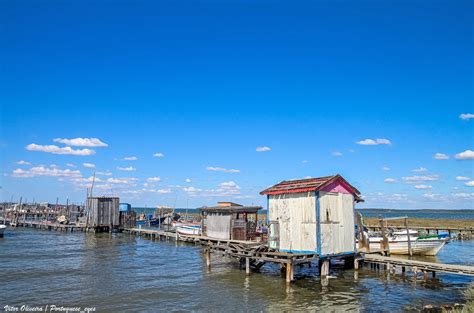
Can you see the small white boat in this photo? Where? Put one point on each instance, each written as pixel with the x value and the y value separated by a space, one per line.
pixel 420 245
pixel 188 228
pixel 2 230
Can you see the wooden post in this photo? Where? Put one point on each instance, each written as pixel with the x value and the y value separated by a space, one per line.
pixel 356 264
pixel 415 272
pixel 325 268
pixel 247 266
pixel 384 244
pixel 289 272
pixel 410 252
pixel 207 252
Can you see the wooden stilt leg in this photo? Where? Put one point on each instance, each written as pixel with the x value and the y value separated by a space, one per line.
pixel 289 272
pixel 247 266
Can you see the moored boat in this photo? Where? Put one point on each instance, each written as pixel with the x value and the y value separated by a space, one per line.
pixel 420 245
pixel 2 230
pixel 188 228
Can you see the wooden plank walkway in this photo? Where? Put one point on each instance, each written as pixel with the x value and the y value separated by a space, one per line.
pixel 254 254
pixel 418 266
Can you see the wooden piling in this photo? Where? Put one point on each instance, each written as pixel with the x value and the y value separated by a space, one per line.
pixel 247 266
pixel 325 268
pixel 289 272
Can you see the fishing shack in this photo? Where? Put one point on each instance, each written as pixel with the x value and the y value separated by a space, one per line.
pixel 313 215
pixel 103 213
pixel 230 220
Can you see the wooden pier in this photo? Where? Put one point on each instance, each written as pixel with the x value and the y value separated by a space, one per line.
pixel 390 264
pixel 252 254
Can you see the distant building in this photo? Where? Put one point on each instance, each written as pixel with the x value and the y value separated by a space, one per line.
pixel 313 215
pixel 230 220
pixel 103 212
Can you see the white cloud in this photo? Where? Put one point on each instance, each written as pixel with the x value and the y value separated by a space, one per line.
pixel 263 149
pixel 434 196
pixel 82 142
pixel 130 158
pixel 88 165
pixel 191 189
pixel 304 161
pixel 125 181
pixel 466 116
pixel 104 173
pixel 336 154
pixel 463 195
pixel 462 178
pixel 420 170
pixel 221 169
pixel 469 183
pixel 416 178
pixel 58 150
pixel 390 180
pixel 225 189
pixel 45 171
pixel 423 187
pixel 127 169
pixel 440 156
pixel 71 164
pixel 86 180
pixel 21 162
pixel 154 179
pixel 158 155
pixel 466 155
pixel 374 142
pixel 188 180
pixel 53 165
pixel 386 168
pixel 161 191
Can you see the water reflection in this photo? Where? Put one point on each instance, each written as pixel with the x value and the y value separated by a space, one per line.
pixel 118 272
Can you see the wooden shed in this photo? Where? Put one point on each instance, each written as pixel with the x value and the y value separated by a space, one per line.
pixel 103 212
pixel 230 220
pixel 313 215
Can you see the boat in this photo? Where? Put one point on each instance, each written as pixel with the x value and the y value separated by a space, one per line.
pixel 188 228
pixel 420 244
pixel 2 230
pixel 149 220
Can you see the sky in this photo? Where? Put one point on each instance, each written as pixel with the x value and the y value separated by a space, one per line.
pixel 192 102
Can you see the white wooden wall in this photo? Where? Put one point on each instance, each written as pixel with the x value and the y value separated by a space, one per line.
pixel 296 214
pixel 337 222
pixel 218 226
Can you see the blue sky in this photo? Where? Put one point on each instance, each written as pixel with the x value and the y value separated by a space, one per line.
pixel 205 84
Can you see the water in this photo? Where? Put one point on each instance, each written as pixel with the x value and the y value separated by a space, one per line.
pixel 120 272
pixel 437 214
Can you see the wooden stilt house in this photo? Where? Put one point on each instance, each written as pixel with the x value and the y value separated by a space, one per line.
pixel 313 215
pixel 230 220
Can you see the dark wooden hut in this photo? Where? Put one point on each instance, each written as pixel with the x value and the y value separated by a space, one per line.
pixel 230 220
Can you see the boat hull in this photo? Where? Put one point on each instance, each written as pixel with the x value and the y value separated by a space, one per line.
pixel 188 229
pixel 418 247
pixel 2 230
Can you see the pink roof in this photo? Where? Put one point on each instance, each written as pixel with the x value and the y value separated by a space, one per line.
pixel 311 184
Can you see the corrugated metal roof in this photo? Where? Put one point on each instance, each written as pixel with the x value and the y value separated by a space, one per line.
pixel 306 185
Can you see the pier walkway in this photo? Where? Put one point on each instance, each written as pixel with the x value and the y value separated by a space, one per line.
pixel 251 253
pixel 391 263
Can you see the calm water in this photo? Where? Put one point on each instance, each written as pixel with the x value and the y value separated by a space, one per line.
pixel 438 214
pixel 120 272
